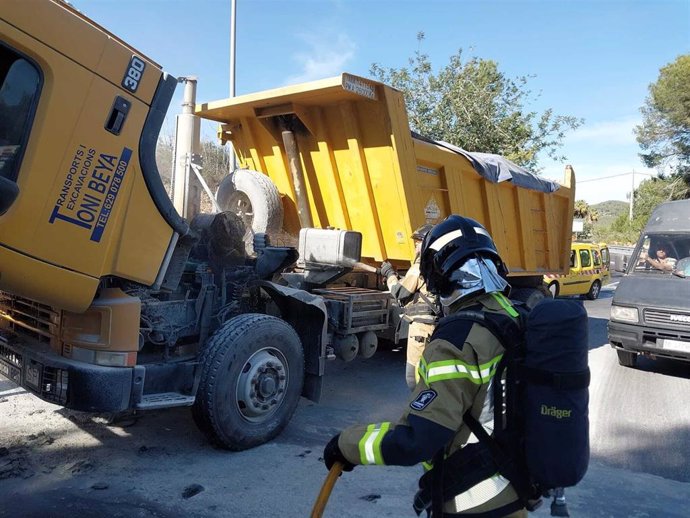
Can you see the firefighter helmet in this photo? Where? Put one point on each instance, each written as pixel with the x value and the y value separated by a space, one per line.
pixel 448 245
pixel 421 232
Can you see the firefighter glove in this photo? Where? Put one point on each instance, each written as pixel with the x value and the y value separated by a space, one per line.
pixel 332 454
pixel 387 269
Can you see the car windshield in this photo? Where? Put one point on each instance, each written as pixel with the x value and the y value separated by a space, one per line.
pixel 663 254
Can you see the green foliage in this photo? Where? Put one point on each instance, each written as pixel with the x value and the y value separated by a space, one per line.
pixel 164 159
pixel 609 210
pixel 664 135
pixel 216 163
pixel 583 210
pixel 472 104
pixel 216 160
pixel 648 195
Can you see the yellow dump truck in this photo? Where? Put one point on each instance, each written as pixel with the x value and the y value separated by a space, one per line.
pixel 111 301
pixel 340 153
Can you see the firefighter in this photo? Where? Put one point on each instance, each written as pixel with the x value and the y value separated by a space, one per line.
pixel 419 306
pixel 461 266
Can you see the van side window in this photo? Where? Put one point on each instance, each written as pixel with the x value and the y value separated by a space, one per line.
pixel 572 258
pixel 585 258
pixel 20 84
pixel 597 258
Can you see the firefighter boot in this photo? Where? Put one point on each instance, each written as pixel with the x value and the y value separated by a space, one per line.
pixel 558 505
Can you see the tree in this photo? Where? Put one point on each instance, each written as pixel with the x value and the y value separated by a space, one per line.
pixel 164 159
pixel 583 211
pixel 472 104
pixel 216 164
pixel 664 135
pixel 648 195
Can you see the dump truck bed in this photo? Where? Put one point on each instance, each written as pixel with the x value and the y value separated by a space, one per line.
pixel 364 171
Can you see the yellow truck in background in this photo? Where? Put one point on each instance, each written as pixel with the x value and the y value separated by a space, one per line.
pixel 350 161
pixel 110 300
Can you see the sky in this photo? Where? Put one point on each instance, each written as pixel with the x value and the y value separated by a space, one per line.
pixel 592 59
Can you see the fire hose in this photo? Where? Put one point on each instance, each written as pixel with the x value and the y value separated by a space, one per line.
pixel 326 488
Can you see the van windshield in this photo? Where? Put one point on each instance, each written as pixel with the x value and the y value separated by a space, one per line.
pixel 663 254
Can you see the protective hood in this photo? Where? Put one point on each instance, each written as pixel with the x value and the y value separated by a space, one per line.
pixel 476 275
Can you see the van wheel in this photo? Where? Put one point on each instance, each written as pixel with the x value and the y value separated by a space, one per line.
pixel 255 199
pixel 554 289
pixel 626 358
pixel 594 290
pixel 252 372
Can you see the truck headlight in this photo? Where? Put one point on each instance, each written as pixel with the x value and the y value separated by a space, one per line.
pixel 624 314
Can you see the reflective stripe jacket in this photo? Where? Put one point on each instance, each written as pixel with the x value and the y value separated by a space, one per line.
pixel 456 374
pixel 411 292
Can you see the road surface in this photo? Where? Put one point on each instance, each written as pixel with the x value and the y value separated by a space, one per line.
pixel 58 463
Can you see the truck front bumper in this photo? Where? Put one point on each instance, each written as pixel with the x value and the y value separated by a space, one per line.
pixel 72 384
pixel 648 340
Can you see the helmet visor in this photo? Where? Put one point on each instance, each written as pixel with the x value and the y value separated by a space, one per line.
pixel 475 275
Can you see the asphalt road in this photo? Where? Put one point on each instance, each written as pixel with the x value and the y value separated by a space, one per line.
pixel 640 418
pixel 56 463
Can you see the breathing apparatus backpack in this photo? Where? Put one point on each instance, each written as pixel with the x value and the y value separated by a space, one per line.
pixel 540 438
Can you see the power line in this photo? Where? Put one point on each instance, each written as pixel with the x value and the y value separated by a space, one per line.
pixel 612 176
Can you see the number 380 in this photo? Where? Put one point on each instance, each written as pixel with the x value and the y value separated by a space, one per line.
pixel 134 73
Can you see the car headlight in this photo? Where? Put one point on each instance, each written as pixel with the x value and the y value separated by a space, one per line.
pixel 624 314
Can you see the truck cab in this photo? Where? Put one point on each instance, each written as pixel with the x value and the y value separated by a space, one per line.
pixel 650 312
pixel 110 300
pixel 80 193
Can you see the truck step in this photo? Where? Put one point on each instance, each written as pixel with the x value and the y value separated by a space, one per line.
pixel 164 400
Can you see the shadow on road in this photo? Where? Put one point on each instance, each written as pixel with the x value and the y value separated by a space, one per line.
pixel 651 451
pixel 664 366
pixel 598 332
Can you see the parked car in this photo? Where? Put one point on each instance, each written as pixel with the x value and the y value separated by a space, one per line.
pixel 590 269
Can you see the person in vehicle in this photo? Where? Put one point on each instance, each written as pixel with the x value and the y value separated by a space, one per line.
pixel 662 261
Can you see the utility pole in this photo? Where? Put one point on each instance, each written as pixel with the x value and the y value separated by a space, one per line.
pixel 632 195
pixel 186 189
pixel 233 37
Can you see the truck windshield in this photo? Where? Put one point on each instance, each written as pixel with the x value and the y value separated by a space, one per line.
pixel 663 254
pixel 20 83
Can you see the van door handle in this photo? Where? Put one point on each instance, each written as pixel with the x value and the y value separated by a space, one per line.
pixel 118 115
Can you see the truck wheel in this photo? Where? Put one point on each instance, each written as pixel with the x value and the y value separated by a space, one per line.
pixel 252 372
pixel 594 290
pixel 530 296
pixel 626 358
pixel 554 289
pixel 255 199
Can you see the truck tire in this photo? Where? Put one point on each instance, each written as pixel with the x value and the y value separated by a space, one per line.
pixel 252 372
pixel 530 296
pixel 627 358
pixel 255 199
pixel 594 291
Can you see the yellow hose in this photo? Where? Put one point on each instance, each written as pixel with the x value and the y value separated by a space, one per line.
pixel 322 499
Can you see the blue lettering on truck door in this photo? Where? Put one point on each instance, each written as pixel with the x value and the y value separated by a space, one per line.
pixel 88 194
